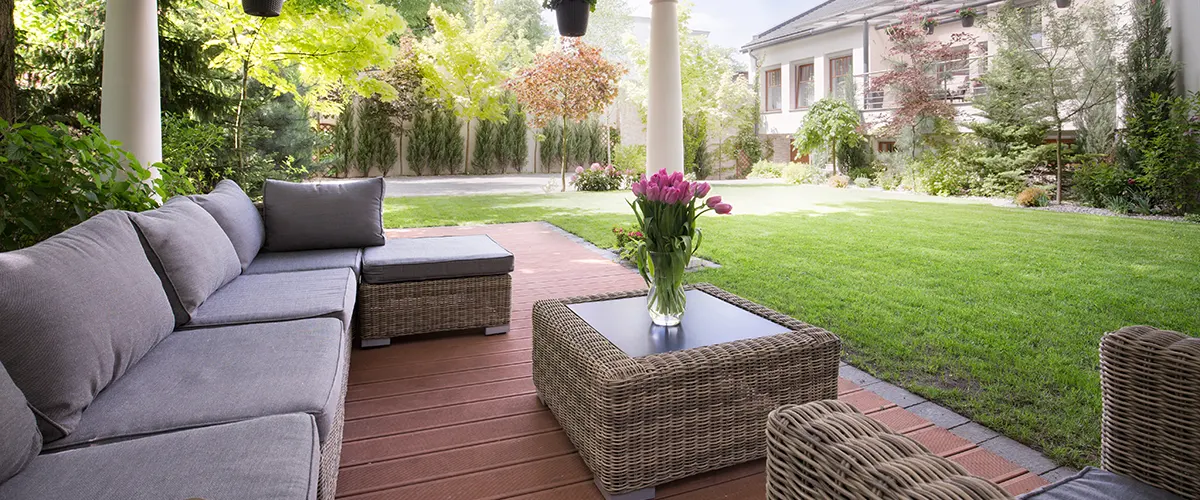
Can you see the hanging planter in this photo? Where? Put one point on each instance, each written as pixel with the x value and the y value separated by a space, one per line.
pixel 262 8
pixel 1062 4
pixel 967 16
pixel 929 25
pixel 572 15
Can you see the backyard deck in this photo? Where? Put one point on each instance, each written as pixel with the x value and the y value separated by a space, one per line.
pixel 458 417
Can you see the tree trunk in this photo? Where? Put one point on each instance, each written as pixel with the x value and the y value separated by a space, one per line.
pixel 467 147
pixel 237 118
pixel 563 142
pixel 1058 166
pixel 834 154
pixel 8 61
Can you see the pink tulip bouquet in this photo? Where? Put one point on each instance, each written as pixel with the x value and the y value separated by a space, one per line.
pixel 667 208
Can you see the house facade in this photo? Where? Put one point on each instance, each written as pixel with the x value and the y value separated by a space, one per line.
pixel 836 48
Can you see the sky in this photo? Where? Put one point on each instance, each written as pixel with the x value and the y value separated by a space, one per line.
pixel 731 23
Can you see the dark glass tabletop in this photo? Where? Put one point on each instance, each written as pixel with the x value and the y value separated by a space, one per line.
pixel 707 321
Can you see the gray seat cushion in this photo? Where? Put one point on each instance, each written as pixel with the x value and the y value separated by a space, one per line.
pixel 20 440
pixel 273 457
pixel 260 298
pixel 418 259
pixel 191 252
pixel 238 217
pixel 306 260
pixel 1098 484
pixel 220 375
pixel 307 216
pixel 76 311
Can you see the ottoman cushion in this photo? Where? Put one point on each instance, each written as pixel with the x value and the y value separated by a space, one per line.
pixel 420 259
pixel 1098 484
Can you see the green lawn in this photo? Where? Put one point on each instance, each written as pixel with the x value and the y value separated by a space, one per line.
pixel 994 312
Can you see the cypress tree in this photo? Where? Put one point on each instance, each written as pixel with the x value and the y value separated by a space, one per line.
pixel 1149 70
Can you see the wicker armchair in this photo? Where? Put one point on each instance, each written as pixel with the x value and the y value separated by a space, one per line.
pixel 1150 381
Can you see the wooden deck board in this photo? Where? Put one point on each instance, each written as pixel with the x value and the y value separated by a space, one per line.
pixel 456 416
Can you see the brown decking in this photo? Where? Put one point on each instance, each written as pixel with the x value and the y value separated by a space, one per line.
pixel 457 416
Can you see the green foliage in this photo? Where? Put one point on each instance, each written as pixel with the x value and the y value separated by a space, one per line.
pixel 1033 197
pixel 1170 153
pixel 487 148
pixel 839 181
pixel 890 169
pixel 1098 179
pixel 766 169
pixel 525 17
pixel 856 159
pixel 52 178
pixel 630 157
pixel 696 158
pixel 416 12
pixel 514 145
pixel 598 178
pixel 549 147
pixel 1193 218
pixel 628 242
pixel 746 147
pixel 376 138
pixel 196 148
pixel 435 142
pixel 803 173
pixel 862 182
pixel 829 123
pixel 1149 69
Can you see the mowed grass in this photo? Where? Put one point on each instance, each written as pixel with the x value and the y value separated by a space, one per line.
pixel 994 312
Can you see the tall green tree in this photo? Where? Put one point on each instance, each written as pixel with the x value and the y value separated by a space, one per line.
pixel 1149 69
pixel 463 63
pixel 416 12
pixel 8 61
pixel 830 123
pixel 1065 80
pixel 525 16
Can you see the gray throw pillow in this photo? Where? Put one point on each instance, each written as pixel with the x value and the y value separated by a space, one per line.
pixel 76 311
pixel 190 251
pixel 238 217
pixel 20 440
pixel 304 216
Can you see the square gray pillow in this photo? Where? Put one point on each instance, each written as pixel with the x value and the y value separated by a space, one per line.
pixel 190 252
pixel 76 311
pixel 238 217
pixel 304 216
pixel 20 440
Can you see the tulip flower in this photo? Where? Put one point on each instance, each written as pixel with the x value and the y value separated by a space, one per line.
pixel 654 193
pixel 712 202
pixel 702 189
pixel 676 178
pixel 639 188
pixel 723 208
pixel 672 196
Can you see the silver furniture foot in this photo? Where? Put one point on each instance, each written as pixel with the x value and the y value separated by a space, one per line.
pixel 495 330
pixel 369 343
pixel 642 494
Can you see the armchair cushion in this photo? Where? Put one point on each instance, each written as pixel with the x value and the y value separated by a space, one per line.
pixel 20 440
pixel 306 216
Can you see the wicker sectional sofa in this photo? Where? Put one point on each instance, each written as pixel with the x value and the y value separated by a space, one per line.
pixel 1150 381
pixel 198 350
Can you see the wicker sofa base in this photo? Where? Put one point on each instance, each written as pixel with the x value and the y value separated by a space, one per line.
pixel 412 308
pixel 639 422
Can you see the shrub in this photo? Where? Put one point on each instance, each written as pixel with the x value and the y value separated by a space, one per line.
pixel 1170 153
pixel 1033 197
pixel 487 147
pixel 766 169
pixel 597 178
pixel 630 157
pixel 802 173
pixel 52 178
pixel 862 182
pixel 1117 203
pixel 1193 218
pixel 839 181
pixel 628 241
pixel 944 175
pixel 1096 178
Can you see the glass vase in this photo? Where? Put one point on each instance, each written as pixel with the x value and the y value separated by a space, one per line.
pixel 664 276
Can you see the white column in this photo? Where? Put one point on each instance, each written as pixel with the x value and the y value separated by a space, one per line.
pixel 819 77
pixel 130 109
pixel 664 121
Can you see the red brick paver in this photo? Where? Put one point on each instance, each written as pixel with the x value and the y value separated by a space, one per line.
pixel 457 416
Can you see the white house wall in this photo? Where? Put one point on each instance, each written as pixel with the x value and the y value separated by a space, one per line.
pixel 815 50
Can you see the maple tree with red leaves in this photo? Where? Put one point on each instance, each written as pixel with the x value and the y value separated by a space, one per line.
pixel 568 84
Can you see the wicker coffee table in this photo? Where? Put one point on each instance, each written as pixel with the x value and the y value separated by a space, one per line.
pixel 646 405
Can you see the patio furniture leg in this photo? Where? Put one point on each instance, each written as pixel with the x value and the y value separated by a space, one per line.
pixel 495 330
pixel 369 343
pixel 642 494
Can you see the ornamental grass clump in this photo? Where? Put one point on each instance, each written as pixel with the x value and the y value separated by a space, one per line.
pixel 667 208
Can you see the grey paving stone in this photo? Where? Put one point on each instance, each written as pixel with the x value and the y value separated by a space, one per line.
pixel 901 397
pixel 1058 474
pixel 974 432
pixel 1019 454
pixel 857 376
pixel 937 414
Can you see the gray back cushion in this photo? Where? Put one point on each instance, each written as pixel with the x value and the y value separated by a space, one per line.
pixel 302 216
pixel 190 250
pixel 76 311
pixel 20 440
pixel 238 217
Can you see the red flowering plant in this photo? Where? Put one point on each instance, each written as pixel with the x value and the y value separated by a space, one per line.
pixel 667 208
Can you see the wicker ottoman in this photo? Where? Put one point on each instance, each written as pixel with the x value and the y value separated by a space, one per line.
pixel 412 286
pixel 647 405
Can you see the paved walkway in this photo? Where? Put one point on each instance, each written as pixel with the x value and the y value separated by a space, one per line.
pixel 458 417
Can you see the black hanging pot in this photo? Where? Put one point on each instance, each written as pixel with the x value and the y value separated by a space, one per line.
pixel 968 21
pixel 572 17
pixel 929 28
pixel 1062 4
pixel 262 8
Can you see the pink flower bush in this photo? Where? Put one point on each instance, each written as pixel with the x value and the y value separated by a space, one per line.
pixel 579 169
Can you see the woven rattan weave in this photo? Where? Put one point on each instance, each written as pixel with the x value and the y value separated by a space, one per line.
pixel 640 422
pixel 416 307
